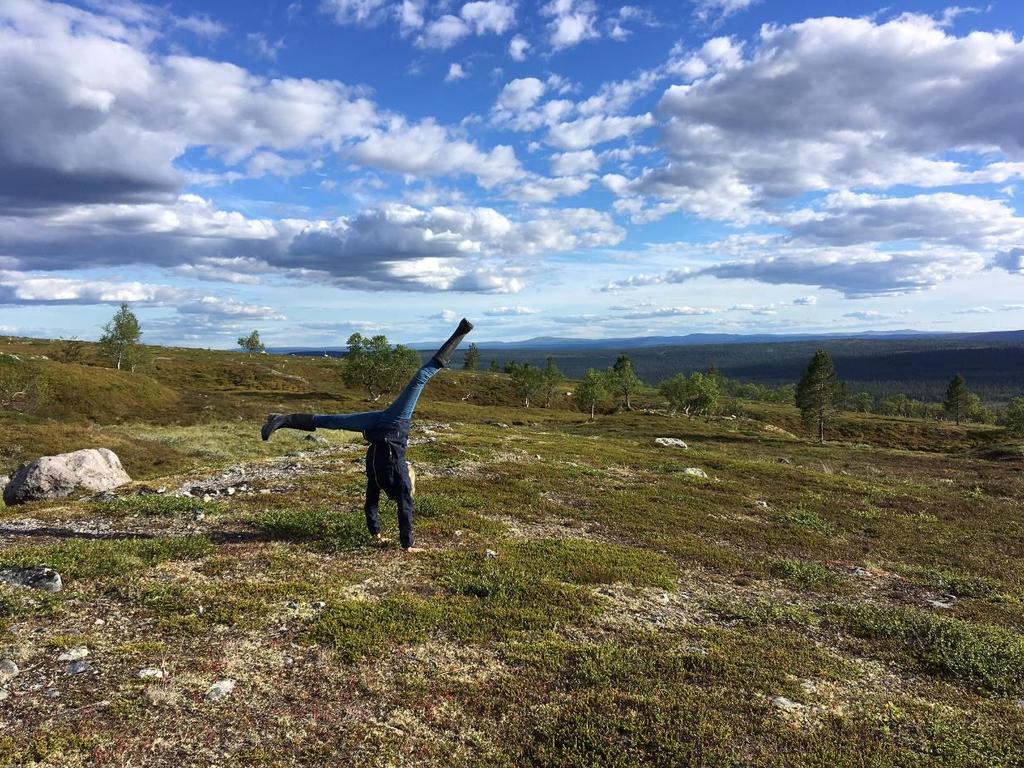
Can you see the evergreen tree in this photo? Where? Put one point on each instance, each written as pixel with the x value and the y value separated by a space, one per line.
pixel 818 394
pixel 494 367
pixel 120 340
pixel 472 358
pixel 959 399
pixel 251 344
pixel 591 391
pixel 623 381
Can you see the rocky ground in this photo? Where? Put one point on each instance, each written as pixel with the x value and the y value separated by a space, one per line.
pixel 643 590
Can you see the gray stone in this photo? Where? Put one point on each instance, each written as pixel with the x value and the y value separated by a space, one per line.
pixel 78 667
pixel 787 705
pixel 46 579
pixel 8 670
pixel 220 690
pixel 673 442
pixel 695 472
pixel 57 477
pixel 3 694
pixel 75 654
pixel 151 673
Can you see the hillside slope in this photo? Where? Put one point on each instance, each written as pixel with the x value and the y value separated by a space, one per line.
pixel 584 599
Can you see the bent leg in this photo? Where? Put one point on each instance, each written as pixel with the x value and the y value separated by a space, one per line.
pixel 353 422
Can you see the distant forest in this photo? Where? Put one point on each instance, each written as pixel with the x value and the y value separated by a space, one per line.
pixel 917 366
pixel 920 368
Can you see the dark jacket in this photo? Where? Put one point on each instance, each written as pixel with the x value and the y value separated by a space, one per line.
pixel 387 470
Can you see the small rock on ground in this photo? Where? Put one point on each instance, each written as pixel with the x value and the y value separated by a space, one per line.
pixel 786 705
pixel 151 673
pixel 220 690
pixel 75 654
pixel 8 670
pixel 78 667
pixel 695 472
pixel 674 442
pixel 46 579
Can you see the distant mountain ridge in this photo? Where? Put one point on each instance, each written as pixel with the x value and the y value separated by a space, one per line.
pixel 690 339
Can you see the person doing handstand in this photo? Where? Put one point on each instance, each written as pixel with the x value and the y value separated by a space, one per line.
pixel 387 433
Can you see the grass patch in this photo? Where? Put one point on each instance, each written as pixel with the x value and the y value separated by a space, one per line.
pixel 326 530
pixel 157 505
pixel 804 574
pixel 91 559
pixel 988 658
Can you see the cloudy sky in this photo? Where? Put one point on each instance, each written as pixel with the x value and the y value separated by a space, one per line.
pixel 566 168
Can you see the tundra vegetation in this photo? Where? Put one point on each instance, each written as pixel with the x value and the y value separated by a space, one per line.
pixel 586 599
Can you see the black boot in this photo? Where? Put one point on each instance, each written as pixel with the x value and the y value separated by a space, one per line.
pixel 443 356
pixel 276 421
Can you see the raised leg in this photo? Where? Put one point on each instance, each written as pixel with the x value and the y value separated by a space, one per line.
pixel 405 403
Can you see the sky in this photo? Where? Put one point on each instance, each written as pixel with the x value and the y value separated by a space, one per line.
pixel 315 168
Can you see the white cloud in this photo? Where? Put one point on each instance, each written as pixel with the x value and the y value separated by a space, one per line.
pixel 512 311
pixel 573 21
pixel 717 10
pixel 854 272
pixel 835 103
pixel 455 72
pixel 520 94
pixel 517 48
pixel 428 149
pixel 356 12
pixel 596 129
pixel 573 163
pixel 22 288
pixel 398 247
pixel 90 114
pixel 263 47
pixel 443 32
pixel 487 16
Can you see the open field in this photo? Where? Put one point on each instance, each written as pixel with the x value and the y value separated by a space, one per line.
pixel 854 604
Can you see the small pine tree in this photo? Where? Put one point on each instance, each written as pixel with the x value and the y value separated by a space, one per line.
pixel 623 381
pixel 591 391
pixel 818 394
pixel 251 344
pixel 120 340
pixel 493 368
pixel 472 358
pixel 959 399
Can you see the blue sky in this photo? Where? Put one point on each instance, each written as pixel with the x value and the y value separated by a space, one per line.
pixel 564 168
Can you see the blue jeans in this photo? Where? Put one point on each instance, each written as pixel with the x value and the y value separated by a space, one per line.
pixel 398 411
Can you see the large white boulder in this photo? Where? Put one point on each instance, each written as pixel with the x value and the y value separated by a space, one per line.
pixel 55 477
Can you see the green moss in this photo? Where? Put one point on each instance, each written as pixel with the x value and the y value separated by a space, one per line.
pixel 325 530
pixel 93 559
pixel 804 574
pixel 988 658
